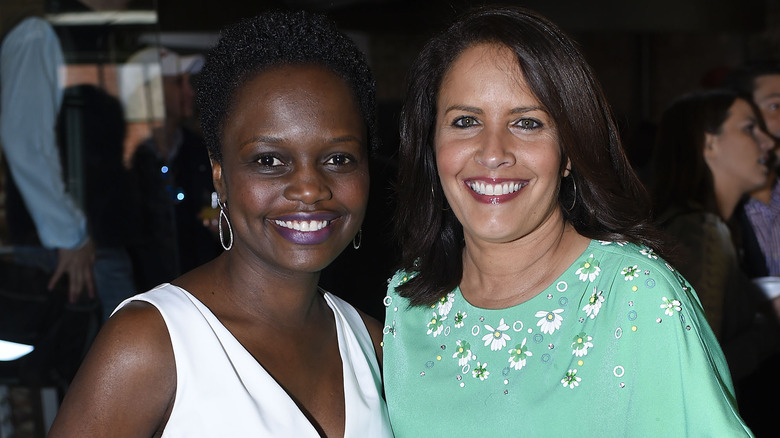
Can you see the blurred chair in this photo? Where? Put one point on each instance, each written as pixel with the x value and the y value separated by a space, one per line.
pixel 59 333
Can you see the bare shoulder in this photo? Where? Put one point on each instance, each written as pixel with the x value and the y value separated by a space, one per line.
pixel 126 383
pixel 375 330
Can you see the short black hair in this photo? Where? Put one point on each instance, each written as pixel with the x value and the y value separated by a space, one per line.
pixel 608 203
pixel 273 39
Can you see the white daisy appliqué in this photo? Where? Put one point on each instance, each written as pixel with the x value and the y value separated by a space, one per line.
pixel 480 371
pixel 462 352
pixel 630 272
pixel 670 306
pixel 444 305
pixel 549 321
pixel 436 325
pixel 594 303
pixel 518 355
pixel 649 253
pixel 496 337
pixel 571 380
pixel 581 344
pixel 589 270
pixel 459 317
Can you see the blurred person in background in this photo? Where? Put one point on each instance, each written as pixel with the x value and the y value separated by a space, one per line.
pixel 759 216
pixel 173 178
pixel 110 203
pixel 40 210
pixel 756 223
pixel 711 151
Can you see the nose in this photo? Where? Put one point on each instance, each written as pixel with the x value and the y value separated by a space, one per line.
pixel 308 185
pixel 765 141
pixel 494 150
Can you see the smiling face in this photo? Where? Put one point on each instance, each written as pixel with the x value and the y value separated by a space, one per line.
pixel 738 155
pixel 496 148
pixel 294 169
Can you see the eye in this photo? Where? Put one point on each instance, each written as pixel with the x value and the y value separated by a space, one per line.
pixel 528 124
pixel 774 106
pixel 340 160
pixel 465 122
pixel 269 161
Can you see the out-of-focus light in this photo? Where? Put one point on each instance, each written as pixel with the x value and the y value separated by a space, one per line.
pixel 164 169
pixel 102 18
pixel 180 196
pixel 12 350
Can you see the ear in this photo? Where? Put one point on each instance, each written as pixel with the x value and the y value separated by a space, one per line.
pixel 567 168
pixel 710 146
pixel 218 180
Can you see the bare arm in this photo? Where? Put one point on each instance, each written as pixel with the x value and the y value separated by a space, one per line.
pixel 127 383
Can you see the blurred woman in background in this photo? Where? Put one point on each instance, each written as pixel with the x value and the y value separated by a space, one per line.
pixel 712 150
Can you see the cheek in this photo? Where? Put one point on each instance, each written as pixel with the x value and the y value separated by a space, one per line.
pixel 450 159
pixel 353 190
pixel 773 124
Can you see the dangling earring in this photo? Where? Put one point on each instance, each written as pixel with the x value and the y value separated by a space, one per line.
pixel 574 200
pixel 222 215
pixel 358 239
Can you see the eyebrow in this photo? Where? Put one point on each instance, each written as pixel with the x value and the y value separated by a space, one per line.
pixel 346 139
pixel 268 139
pixel 475 110
pixel 262 139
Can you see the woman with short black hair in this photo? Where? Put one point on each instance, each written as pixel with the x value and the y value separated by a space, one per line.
pixel 248 344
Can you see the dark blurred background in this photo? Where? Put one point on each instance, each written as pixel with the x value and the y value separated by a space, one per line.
pixel 644 52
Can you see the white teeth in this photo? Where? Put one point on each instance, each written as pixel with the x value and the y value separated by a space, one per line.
pixel 495 189
pixel 303 225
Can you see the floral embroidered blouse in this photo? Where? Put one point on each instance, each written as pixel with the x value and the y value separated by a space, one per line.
pixel 617 346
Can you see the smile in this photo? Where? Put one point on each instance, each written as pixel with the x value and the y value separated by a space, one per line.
pixel 305 226
pixel 506 188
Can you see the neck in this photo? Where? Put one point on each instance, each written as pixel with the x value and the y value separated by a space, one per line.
pixel 727 198
pixel 500 275
pixel 284 299
pixel 764 194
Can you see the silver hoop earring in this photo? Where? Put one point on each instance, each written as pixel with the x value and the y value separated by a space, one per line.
pixel 574 200
pixel 222 215
pixel 358 239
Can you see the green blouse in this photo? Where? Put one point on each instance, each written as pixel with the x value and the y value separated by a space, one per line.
pixel 618 346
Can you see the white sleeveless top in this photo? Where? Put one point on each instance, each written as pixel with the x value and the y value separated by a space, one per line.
pixel 222 391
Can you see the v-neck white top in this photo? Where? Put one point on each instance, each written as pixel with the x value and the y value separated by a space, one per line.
pixel 223 391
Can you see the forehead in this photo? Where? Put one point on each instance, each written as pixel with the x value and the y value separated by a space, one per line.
pixel 286 78
pixel 740 109
pixel 766 85
pixel 483 66
pixel 305 84
pixel 479 57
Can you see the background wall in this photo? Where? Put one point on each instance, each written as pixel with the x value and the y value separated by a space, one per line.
pixel 644 52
